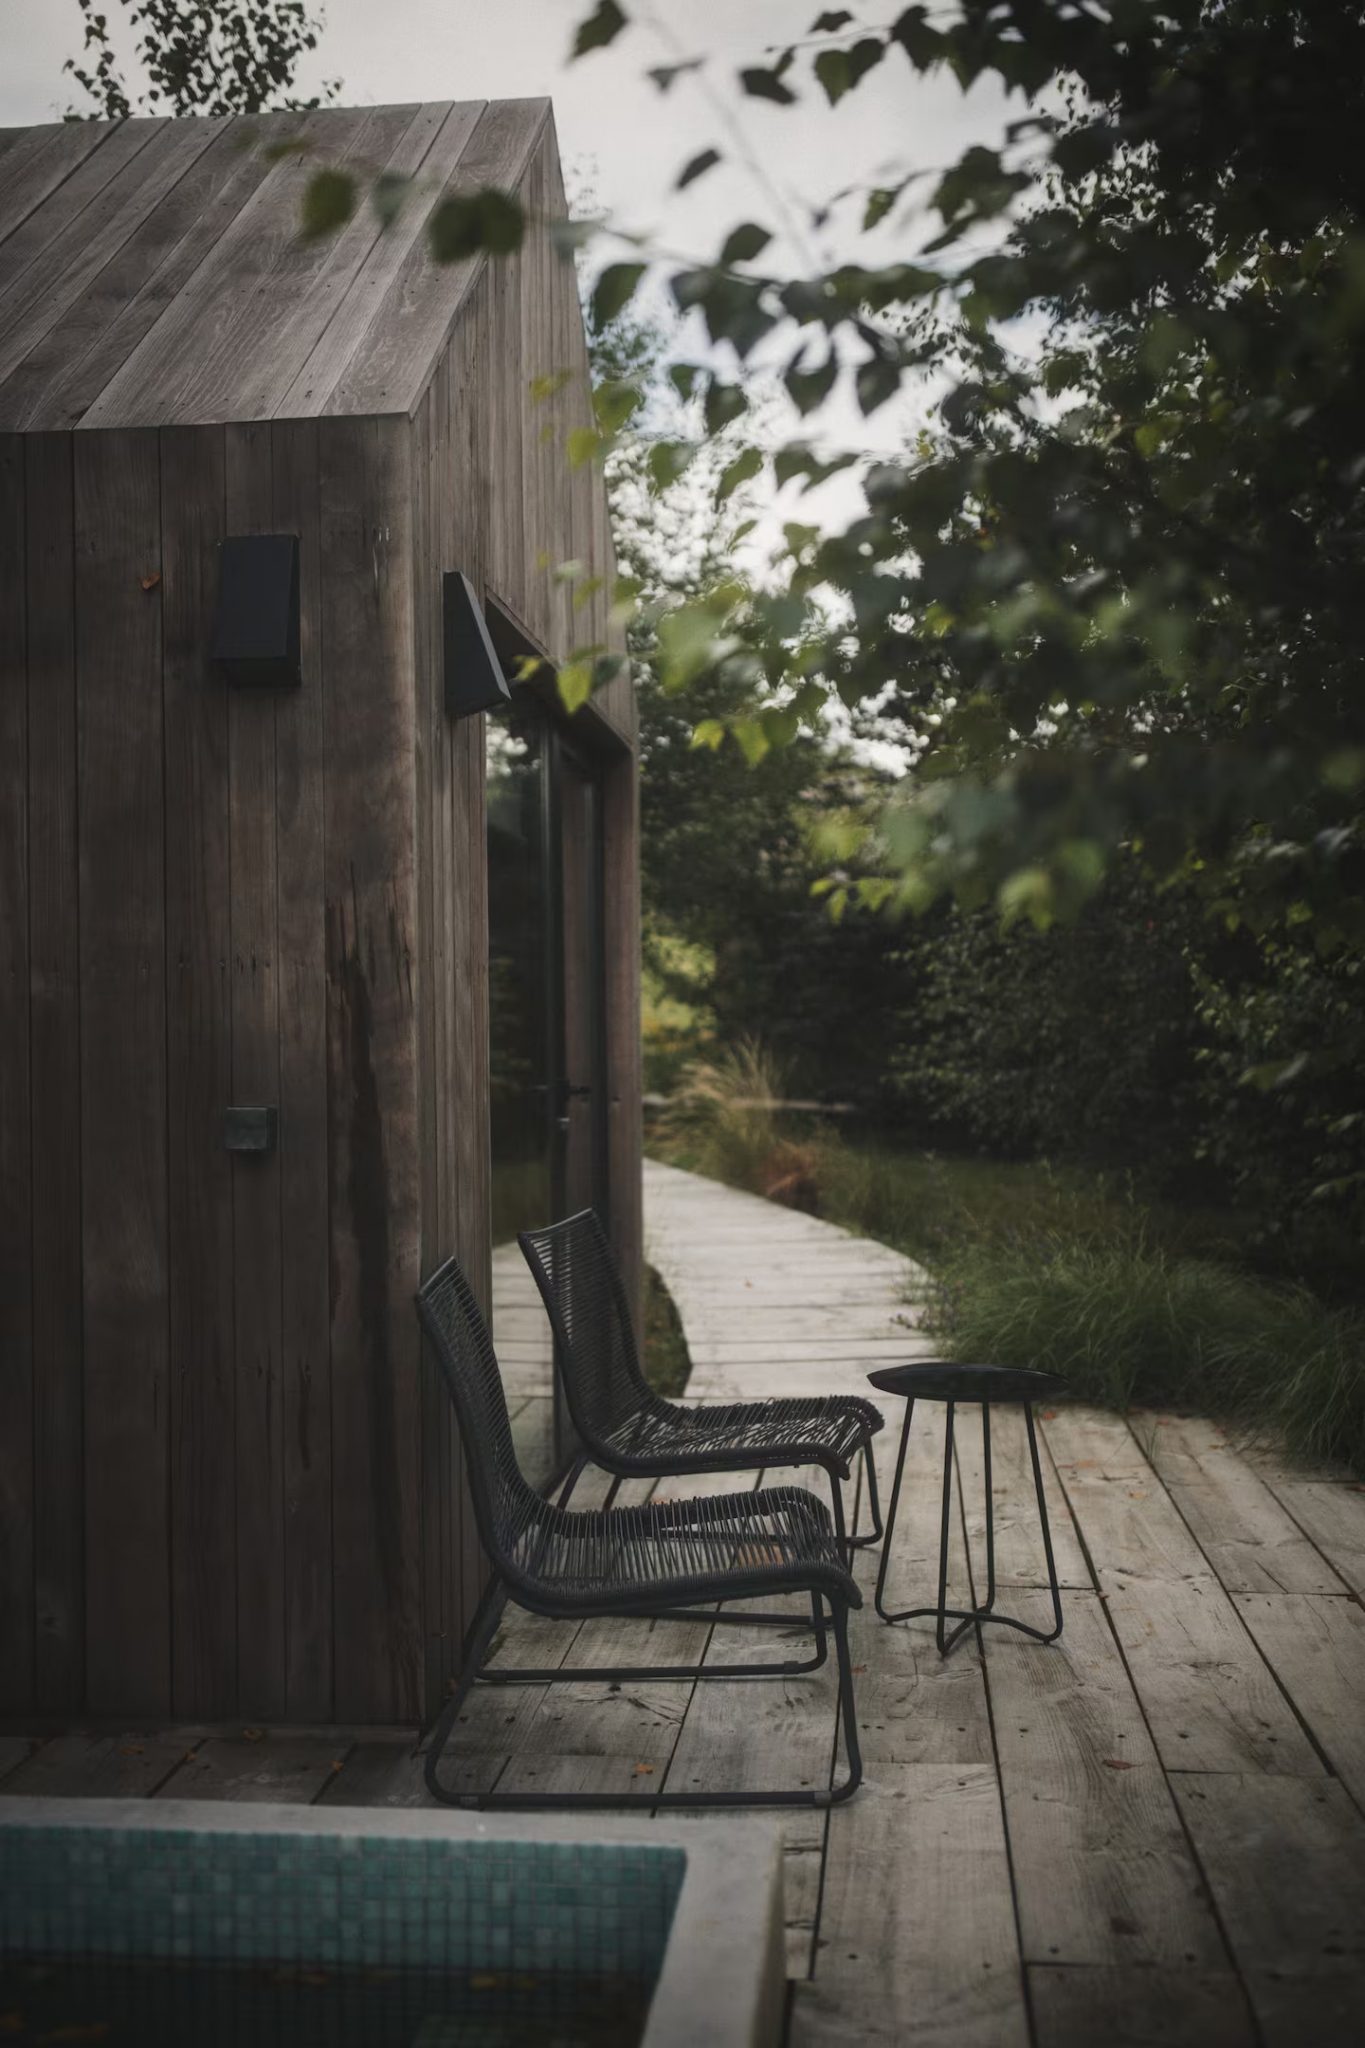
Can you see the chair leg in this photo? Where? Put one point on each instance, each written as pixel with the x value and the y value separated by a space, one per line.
pixel 574 1474
pixel 802 1796
pixel 840 1528
pixel 1053 1587
pixel 482 1630
pixel 880 1599
pixel 873 1535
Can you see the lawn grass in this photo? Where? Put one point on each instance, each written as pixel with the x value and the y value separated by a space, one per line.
pixel 1136 1303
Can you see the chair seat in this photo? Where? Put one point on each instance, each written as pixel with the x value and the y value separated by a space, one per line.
pixel 666 1437
pixel 672 1553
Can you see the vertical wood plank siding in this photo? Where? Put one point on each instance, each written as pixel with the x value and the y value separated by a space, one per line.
pixel 256 1176
pixel 199 1083
pixel 54 1080
pixel 121 837
pixel 16 1300
pixel 305 1336
pixel 367 613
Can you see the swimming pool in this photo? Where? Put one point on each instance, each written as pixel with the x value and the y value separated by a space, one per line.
pixel 123 1922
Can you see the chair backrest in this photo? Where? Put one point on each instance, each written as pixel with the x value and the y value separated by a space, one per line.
pixel 505 1505
pixel 575 1269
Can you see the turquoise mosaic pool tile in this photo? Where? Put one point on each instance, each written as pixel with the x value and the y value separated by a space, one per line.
pixel 336 1899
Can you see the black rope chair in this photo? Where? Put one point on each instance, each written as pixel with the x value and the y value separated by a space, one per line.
pixel 631 1431
pixel 662 1559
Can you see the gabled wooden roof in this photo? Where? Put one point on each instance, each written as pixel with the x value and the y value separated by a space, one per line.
pixel 152 272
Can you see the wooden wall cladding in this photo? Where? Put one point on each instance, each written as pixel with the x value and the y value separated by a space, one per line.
pixel 209 1398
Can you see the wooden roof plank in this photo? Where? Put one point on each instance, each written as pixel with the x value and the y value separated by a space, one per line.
pixel 317 378
pixel 38 163
pixel 271 329
pixel 159 382
pixel 60 378
pixel 95 234
pixel 392 364
pixel 37 244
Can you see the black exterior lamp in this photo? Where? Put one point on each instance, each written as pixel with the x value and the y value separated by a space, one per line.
pixel 256 628
pixel 474 680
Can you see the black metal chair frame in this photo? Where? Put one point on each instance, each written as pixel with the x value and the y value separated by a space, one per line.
pixel 942 1614
pixel 592 1247
pixel 787 1530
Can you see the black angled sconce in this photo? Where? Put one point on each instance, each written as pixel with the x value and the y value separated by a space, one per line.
pixel 474 680
pixel 256 629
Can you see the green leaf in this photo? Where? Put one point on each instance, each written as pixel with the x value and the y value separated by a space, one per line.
pixel 723 404
pixel 695 166
pixel 809 388
pixel 602 26
pixel 388 194
pixel 614 403
pixel 547 386
pixel 668 460
pixel 753 740
pixel 683 377
pixel 584 443
pixel 708 732
pixel 687 640
pixel 923 45
pixel 470 222
pixel 879 203
pixel 745 242
pixel 1026 893
pixel 877 380
pixel 328 203
pixel 574 682
pixel 614 289
pixel 767 85
pixel 831 68
pixel 830 22
pixel 746 464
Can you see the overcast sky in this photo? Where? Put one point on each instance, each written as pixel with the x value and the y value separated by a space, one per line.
pixel 621 139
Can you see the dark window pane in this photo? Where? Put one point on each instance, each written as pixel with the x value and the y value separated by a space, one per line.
pixel 521 1018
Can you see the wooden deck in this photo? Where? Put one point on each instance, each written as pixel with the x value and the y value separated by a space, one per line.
pixel 1150 1832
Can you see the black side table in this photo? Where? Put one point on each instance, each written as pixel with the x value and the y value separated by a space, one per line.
pixel 940 1380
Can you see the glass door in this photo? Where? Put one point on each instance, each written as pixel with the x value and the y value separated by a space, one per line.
pixel 546 1039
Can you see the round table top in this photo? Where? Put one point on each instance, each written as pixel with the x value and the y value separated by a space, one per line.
pixel 940 1379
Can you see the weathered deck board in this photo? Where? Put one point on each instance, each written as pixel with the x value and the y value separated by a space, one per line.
pixel 1247 1535
pixel 1103 1869
pixel 1331 1514
pixel 1286 1858
pixel 257 1769
pixel 1209 1697
pixel 1316 1647
pixel 918 1917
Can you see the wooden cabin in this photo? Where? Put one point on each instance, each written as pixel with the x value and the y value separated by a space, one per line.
pixel 255 914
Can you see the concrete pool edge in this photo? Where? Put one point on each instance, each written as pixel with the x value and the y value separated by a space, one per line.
pixel 723 1977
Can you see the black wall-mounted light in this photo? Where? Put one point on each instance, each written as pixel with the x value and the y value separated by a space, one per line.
pixel 474 680
pixel 256 630
pixel 250 1129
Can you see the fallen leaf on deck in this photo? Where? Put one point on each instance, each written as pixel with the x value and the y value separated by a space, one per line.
pixel 253 1734
pixel 1117 1763
pixel 643 1771
pixel 150 582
